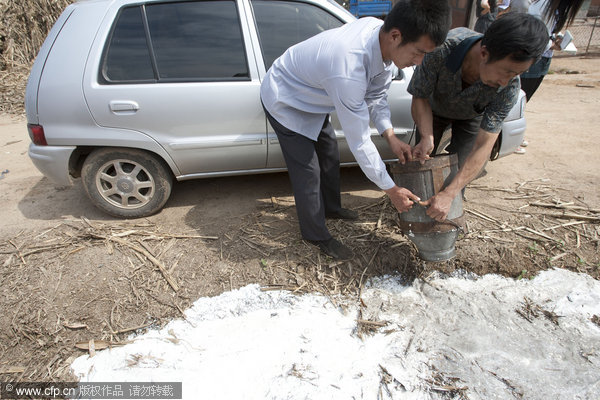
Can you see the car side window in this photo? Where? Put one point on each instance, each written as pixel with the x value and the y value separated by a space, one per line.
pixel 282 24
pixel 184 41
pixel 127 57
pixel 201 39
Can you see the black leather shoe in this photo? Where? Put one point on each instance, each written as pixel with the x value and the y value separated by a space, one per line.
pixel 333 248
pixel 343 213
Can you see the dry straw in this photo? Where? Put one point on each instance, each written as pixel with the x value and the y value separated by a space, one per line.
pixel 24 25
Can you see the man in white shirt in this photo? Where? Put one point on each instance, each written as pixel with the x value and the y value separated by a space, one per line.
pixel 347 70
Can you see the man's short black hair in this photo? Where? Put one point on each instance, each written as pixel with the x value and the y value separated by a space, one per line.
pixel 522 37
pixel 415 18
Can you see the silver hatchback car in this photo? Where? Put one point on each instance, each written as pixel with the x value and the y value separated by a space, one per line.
pixel 129 94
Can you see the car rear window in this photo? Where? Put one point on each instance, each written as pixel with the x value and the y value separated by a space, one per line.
pixel 183 41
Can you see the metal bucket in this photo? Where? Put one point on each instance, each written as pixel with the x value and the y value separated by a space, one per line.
pixel 434 240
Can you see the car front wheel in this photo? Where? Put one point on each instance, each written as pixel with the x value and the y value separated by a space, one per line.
pixel 126 183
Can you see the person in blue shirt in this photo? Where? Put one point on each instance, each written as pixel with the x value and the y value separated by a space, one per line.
pixel 555 14
pixel 347 70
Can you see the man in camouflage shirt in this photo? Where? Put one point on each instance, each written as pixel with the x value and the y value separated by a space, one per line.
pixel 470 83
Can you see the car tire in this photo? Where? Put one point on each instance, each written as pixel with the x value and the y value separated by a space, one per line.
pixel 127 183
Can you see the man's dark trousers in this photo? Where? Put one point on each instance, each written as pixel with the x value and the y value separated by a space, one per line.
pixel 314 170
pixel 464 133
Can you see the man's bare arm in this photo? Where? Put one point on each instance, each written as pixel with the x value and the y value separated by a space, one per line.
pixel 423 117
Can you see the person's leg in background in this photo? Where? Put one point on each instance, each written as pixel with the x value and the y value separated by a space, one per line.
pixel 530 85
pixel 530 82
pixel 533 77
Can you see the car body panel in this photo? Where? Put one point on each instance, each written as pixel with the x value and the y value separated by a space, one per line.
pixel 513 128
pixel 53 161
pixel 512 137
pixel 35 75
pixel 62 109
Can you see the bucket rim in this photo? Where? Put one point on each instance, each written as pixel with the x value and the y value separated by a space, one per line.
pixel 437 161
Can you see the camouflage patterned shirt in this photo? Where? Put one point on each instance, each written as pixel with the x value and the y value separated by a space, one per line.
pixel 439 79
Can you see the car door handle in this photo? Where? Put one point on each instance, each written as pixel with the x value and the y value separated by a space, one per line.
pixel 120 106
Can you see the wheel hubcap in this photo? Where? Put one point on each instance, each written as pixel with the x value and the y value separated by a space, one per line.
pixel 125 184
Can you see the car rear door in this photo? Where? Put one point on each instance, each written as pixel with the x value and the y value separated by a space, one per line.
pixel 184 74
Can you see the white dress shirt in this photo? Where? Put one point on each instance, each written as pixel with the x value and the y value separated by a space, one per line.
pixel 338 70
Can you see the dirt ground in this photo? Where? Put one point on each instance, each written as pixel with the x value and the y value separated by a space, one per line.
pixel 72 275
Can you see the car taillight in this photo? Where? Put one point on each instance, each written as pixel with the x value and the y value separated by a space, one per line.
pixel 37 135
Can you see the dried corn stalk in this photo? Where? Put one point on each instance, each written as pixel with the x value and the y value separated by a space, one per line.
pixel 24 25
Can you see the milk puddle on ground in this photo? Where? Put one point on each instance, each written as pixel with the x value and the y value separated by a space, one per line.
pixel 479 338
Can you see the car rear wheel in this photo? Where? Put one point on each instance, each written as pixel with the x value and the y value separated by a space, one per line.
pixel 126 183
